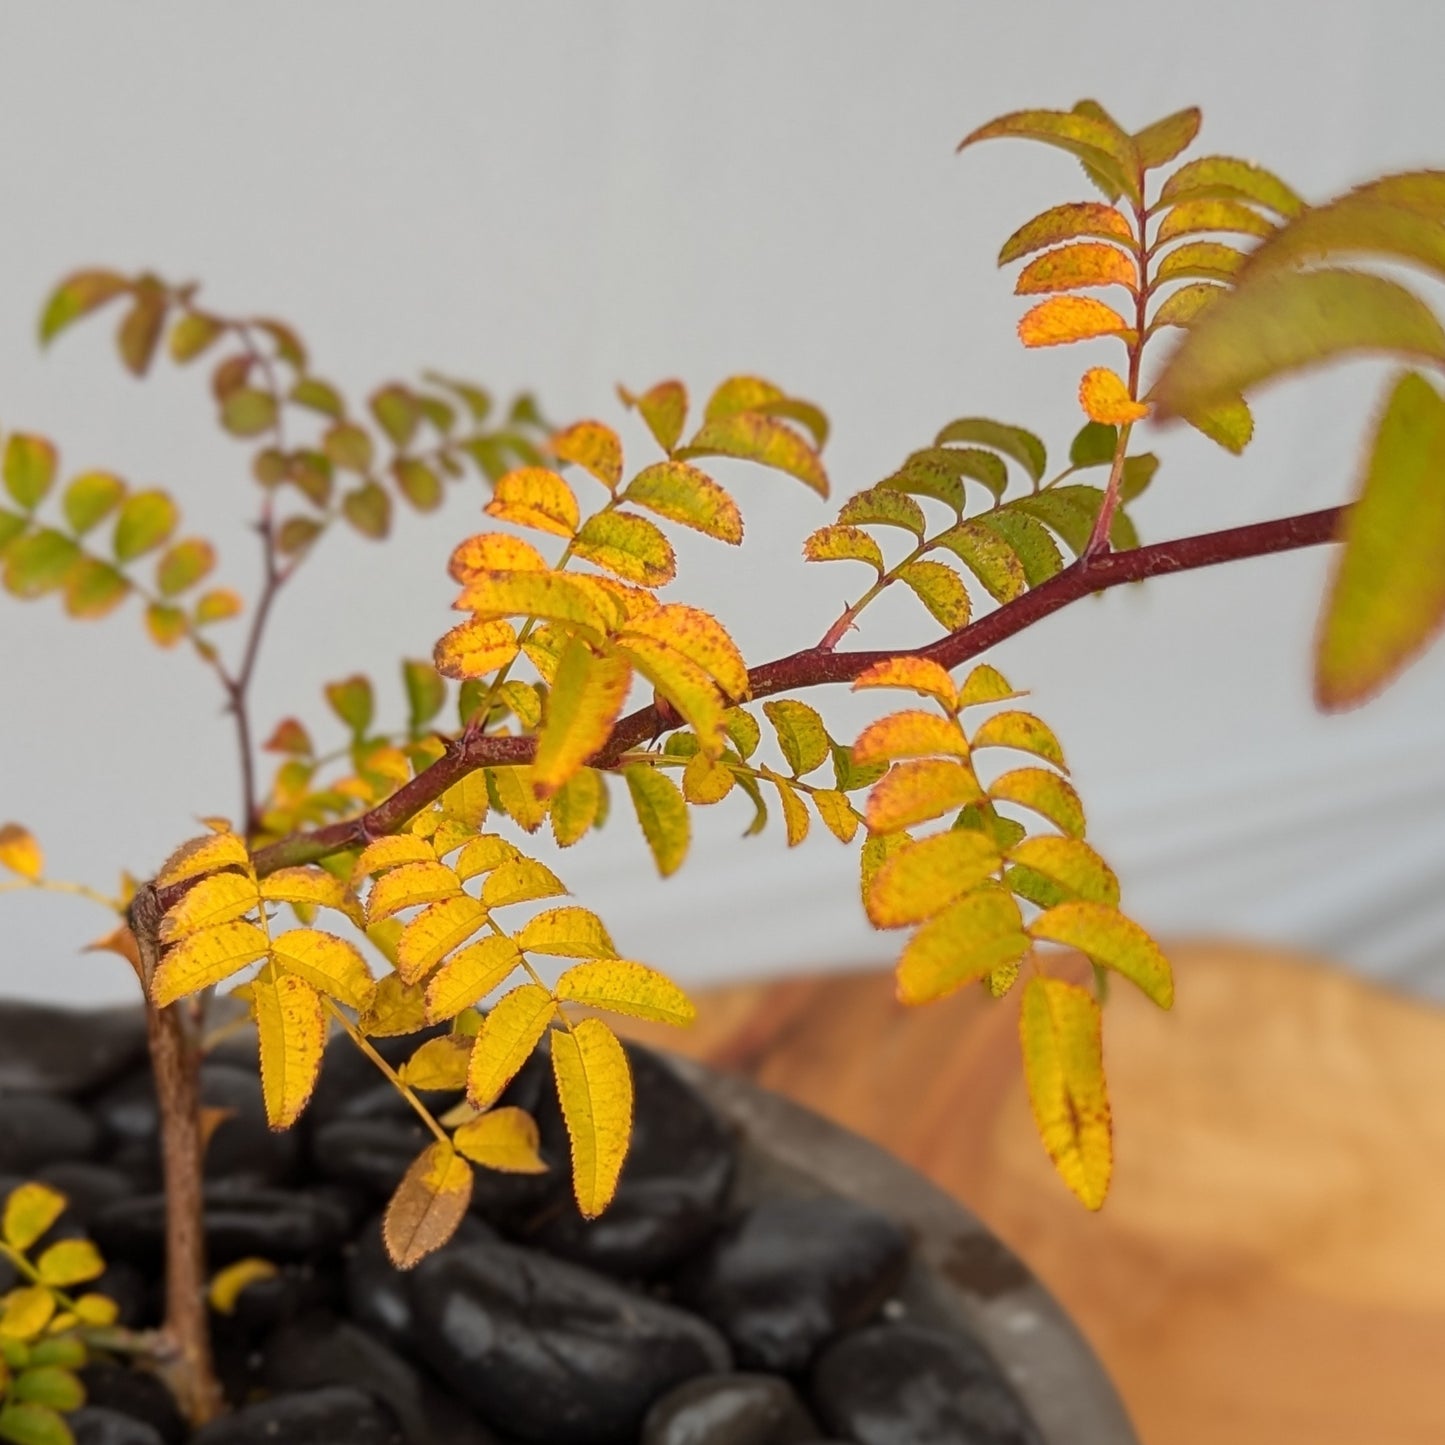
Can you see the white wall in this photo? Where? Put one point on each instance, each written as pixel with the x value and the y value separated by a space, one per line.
pixel 565 196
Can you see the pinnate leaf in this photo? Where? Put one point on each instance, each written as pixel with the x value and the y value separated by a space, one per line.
pixel 662 814
pixel 1229 424
pixel 1190 218
pixel 914 792
pixel 567 933
pixel 439 1064
pixel 801 735
pixel 915 674
pixel 842 543
pixel 509 1032
pixel 146 520
pixel 910 734
pixel 1060 1033
pixel 593 447
pixel 699 637
pixel 504 1139
pixel 971 938
pixel 494 552
pixel 1064 223
pixel 1042 792
pixel 70 1262
pixel 78 295
pixel 1387 598
pixel 1208 260
pixel 475 648
pixel 1062 319
pixel 305 885
pixel 576 806
pixel 521 880
pixel 664 408
pixel 752 437
pixel 391 852
pixel 1216 177
pixel 203 855
pixel 206 958
pixel 1022 731
pixel 619 986
pixel 546 595
pixel 628 546
pixel 30 1210
pixel 1094 139
pixel 469 976
pixel 409 885
pixel 1110 940
pixel 535 497
pixel 1105 398
pixel 1072 865
pixel 587 694
pixel 331 965
pixel 28 468
pixel 594 1086
pixel 1084 263
pixel 684 683
pixel 368 509
pixel 140 329
pixel 228 1284
pixel 684 494
pixel 428 1206
pixel 216 899
pixel 1159 143
pixel 941 591
pixel 291 1022
pixel 20 853
pixel 27 1423
pixel 183 565
pixel 883 507
pixel 923 878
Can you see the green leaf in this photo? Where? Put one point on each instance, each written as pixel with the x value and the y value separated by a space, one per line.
pixel 349 447
pixel 1208 260
pixel 33 1424
pixel 1231 179
pixel 352 701
pixel 146 520
pixel 396 413
pixel 1159 143
pixel 1093 445
pixel 838 543
pixel 418 483
pixel 39 562
pixel 1138 473
pixel 988 557
pixel 29 469
pixel 78 295
pixel 801 735
pixel 192 334
pixel 1013 441
pixel 1070 511
pixel 661 812
pixel 883 507
pixel 90 499
pixel 317 395
pixel 1387 599
pixel 1230 423
pixel 941 591
pixel 1031 543
pixel 426 692
pixel 1279 323
pixel 368 509
pixel 248 411
pixel 1098 143
pixel 1184 305
pixel 752 437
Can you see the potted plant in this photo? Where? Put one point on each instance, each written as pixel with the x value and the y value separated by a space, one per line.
pixel 372 902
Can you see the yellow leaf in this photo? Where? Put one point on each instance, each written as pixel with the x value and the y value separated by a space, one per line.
pixel 1086 263
pixel 475 648
pixel 753 437
pixel 305 885
pixel 662 814
pixel 706 781
pixel 629 546
pixel 504 1139
pixel 594 1085
pixel 1208 260
pixel 439 1064
pixel 971 938
pixel 698 636
pixel 1189 218
pixel 428 1206
pixel 915 674
pixel 1059 1030
pixel 535 497
pixel 291 1022
pixel 509 1033
pixel 30 1210
pixel 494 552
pixel 1071 864
pixel 941 591
pixel 576 806
pixel 227 1285
pixel 663 408
pixel 20 853
pixel 567 933
pixel 587 695
pixel 97 1310
pixel 483 854
pixel 801 735
pixel 204 959
pixel 26 1312
pixel 912 793
pixel 923 878
pixel 1085 132
pixel 466 802
pixel 1021 731
pixel 1044 793
pixel 434 932
pixel 1105 398
pixel 626 988
pixel 216 899
pixel 841 543
pixel 839 815
pixel 391 852
pixel 408 885
pixel 594 447
pixel 682 493
pixel 398 1008
pixel 1111 940
pixel 328 963
pixel 1229 424
pixel 910 734
pixel 1062 319
pixel 1212 177
pixel 522 880
pixel 983 685
pixel 683 683
pixel 515 794
pixel 795 815
pixel 1064 223
pixel 469 976
pixel 546 595
pixel 1387 598
pixel 1159 143
pixel 70 1262
pixel 203 855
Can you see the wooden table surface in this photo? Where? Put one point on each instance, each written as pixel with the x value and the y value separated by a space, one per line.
pixel 1270 1265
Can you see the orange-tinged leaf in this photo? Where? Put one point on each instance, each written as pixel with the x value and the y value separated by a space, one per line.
pixel 1096 141
pixel 662 814
pixel 971 938
pixel 1042 792
pixel 1191 218
pixel 628 546
pixel 914 792
pixel 1063 223
pixel 923 878
pixel 594 1086
pixel 682 493
pixel 329 964
pixel 204 959
pixel 1280 322
pixel 391 852
pixel 1085 263
pixel 535 497
pixel 409 885
pixel 752 437
pixel 801 735
pixel 30 1210
pixel 1111 940
pixel 1060 1033
pixel 203 855
pixel 916 674
pixel 139 332
pixel 428 1206
pixel 475 648
pixel 227 1285
pixel 664 408
pixel 567 933
pixel 1224 177
pixel 434 932
pixel 699 637
pixel 1022 731
pixel 683 683
pixel 494 552
pixel 78 295
pixel 1062 319
pixel 1159 143
pixel 217 899
pixel 509 1032
pixel 586 697
pixel 439 1064
pixel 94 588
pixel 1070 863
pixel 218 605
pixel 1105 398
pixel 504 1139
pixel 20 853
pixel 910 734
pixel 520 880
pixel 291 1022
pixel 594 447
pixel 841 543
pixel 795 813
pixel 621 987
pixel 469 975
pixel 1387 597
